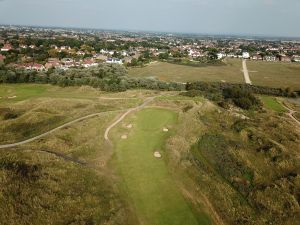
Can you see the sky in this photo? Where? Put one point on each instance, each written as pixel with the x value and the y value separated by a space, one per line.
pixel 245 17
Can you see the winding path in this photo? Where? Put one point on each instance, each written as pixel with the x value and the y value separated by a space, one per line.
pixel 53 130
pixel 291 113
pixel 78 120
pixel 246 73
pixel 124 115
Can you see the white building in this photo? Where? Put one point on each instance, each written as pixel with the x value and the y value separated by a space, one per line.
pixel 221 55
pixel 117 61
pixel 246 55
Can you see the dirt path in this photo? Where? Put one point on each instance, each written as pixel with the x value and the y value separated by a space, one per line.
pixel 55 129
pixel 246 73
pixel 124 115
pixel 291 113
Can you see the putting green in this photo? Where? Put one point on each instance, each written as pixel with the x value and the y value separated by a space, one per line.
pixel 149 186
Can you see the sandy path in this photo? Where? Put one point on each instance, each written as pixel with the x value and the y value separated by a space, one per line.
pixel 53 130
pixel 246 73
pixel 124 115
pixel 291 113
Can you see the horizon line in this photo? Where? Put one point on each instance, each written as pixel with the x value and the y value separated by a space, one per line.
pixel 156 31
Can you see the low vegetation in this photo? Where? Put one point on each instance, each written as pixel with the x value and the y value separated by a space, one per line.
pixel 235 164
pixel 219 165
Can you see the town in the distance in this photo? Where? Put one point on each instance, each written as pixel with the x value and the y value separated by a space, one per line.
pixel 41 49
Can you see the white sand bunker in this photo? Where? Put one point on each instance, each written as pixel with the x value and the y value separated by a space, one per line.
pixel 165 130
pixel 124 136
pixel 129 126
pixel 10 97
pixel 157 155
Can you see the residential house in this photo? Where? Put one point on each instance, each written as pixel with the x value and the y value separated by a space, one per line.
pixel 296 58
pixel 257 57
pixel 33 66
pixel 100 57
pixel 113 60
pixel 52 63
pixel 221 55
pixel 6 48
pixel 246 55
pixel 89 63
pixel 270 58
pixel 81 53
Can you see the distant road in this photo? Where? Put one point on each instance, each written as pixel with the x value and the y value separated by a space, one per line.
pixel 246 73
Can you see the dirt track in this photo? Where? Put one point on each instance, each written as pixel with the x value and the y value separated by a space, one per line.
pixel 291 113
pixel 80 119
pixel 53 130
pixel 246 73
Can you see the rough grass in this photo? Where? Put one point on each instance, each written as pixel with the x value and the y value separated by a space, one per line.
pixel 275 74
pixel 272 104
pixel 147 182
pixel 230 72
pixel 42 111
pixel 241 164
pixel 62 179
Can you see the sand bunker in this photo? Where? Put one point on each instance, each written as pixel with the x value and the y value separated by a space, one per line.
pixel 157 155
pixel 124 136
pixel 165 130
pixel 11 97
pixel 129 126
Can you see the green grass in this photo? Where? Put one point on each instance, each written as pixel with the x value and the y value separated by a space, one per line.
pixel 21 91
pixel 147 182
pixel 230 72
pixel 29 91
pixel 275 74
pixel 272 103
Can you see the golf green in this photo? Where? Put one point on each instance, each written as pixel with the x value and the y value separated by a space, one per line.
pixel 151 190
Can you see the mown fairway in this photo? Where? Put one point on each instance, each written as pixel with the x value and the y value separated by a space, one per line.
pixel 147 182
pixel 230 72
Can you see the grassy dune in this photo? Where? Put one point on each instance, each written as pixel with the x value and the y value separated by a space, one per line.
pixel 151 190
pixel 40 108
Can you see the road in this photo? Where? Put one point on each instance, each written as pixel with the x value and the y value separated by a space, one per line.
pixel 246 73
pixel 124 115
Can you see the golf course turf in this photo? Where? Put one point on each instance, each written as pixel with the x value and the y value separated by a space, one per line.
pixel 147 182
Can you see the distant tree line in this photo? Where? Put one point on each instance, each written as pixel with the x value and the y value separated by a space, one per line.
pixel 241 95
pixel 106 77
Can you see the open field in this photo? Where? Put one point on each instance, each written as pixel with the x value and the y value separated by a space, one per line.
pixel 231 72
pixel 275 74
pixel 147 181
pixel 271 74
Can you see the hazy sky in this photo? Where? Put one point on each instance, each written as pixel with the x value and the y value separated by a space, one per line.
pixel 267 17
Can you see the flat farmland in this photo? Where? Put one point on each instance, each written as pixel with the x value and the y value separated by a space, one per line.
pixel 274 74
pixel 231 72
